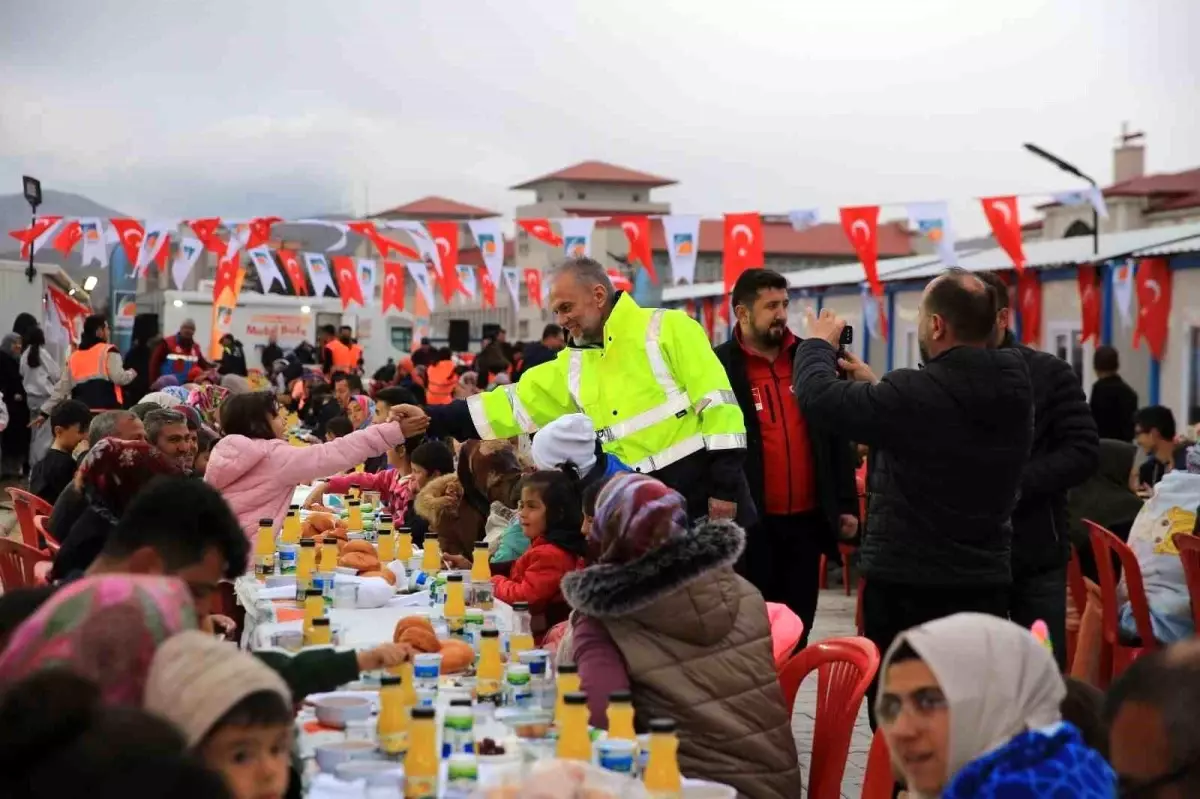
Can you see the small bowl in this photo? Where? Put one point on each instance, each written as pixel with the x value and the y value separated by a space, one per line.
pixel 377 773
pixel 526 724
pixel 330 756
pixel 335 711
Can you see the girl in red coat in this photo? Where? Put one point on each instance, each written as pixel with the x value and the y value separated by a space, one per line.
pixel 551 518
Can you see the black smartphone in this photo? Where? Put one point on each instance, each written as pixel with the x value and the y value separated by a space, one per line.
pixel 845 341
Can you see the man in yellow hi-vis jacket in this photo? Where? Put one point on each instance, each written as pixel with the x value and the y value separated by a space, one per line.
pixel 648 379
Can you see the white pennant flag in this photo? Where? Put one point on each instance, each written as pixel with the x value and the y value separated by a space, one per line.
pixel 268 271
pixel 366 277
pixel 91 231
pixel 239 237
pixel 490 239
pixel 319 273
pixel 157 232
pixel 514 287
pixel 870 312
pixel 803 218
pixel 421 240
pixel 1090 196
pixel 932 220
pixel 683 243
pixel 466 281
pixel 1123 290
pixel 185 259
pixel 420 275
pixel 577 235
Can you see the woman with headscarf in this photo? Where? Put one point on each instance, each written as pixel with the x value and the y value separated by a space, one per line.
pixel 14 441
pixel 360 410
pixel 970 707
pixel 663 614
pixel 104 629
pixel 207 401
pixel 110 476
pixel 39 373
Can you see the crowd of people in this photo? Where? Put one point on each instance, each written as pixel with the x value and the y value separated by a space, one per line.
pixel 663 508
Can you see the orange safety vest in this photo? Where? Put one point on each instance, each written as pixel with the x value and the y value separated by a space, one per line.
pixel 92 384
pixel 442 382
pixel 345 359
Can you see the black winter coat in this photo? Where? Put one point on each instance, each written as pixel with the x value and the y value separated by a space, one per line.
pixel 1065 453
pixel 832 457
pixel 948 446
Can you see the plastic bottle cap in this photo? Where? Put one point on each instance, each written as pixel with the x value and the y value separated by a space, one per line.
pixel 423 712
pixel 620 696
pixel 313 592
pixel 352 502
pixel 323 621
pixel 293 507
pixel 329 539
pixel 580 698
pixel 457 702
pixel 490 634
pixel 266 522
pixel 389 681
pixel 521 607
pixel 454 577
pixel 661 725
pixel 386 517
pixel 563 668
pixel 308 542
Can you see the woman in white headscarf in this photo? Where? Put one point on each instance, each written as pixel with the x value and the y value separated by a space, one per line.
pixel 969 705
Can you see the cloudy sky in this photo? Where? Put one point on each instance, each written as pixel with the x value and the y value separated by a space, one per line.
pixel 165 107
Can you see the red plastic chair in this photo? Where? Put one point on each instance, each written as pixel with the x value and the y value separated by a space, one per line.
pixel 26 506
pixel 1117 651
pixel 846 550
pixel 878 782
pixel 1078 591
pixel 1189 552
pixel 18 564
pixel 39 524
pixel 845 667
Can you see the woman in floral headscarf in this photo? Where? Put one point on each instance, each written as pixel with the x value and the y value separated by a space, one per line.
pixel 104 629
pixel 361 410
pixel 109 477
pixel 207 399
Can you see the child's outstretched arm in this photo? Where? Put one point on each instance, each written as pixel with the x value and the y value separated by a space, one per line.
pixel 537 585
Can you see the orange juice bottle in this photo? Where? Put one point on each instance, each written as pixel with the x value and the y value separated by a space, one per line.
pixel 329 553
pixel 421 764
pixel 320 634
pixel 291 525
pixel 489 669
pixel 403 544
pixel 567 682
pixel 431 559
pixel 574 743
pixel 306 564
pixel 354 516
pixel 455 609
pixel 521 637
pixel 662 777
pixel 481 570
pixel 620 716
pixel 264 549
pixel 392 725
pixel 314 608
pixel 385 543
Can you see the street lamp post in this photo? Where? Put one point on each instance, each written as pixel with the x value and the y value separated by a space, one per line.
pixel 1074 170
pixel 33 195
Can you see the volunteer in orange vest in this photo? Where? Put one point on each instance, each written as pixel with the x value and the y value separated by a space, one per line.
pixel 94 374
pixel 442 379
pixel 341 353
pixel 178 354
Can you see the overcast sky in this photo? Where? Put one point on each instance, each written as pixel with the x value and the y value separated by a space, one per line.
pixel 165 107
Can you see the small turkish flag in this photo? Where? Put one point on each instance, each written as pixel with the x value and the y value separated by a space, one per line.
pixel 349 289
pixel 861 225
pixel 540 230
pixel 1154 305
pixel 295 272
pixel 29 236
pixel 160 258
pixel 1029 299
pixel 393 286
pixel 206 232
pixel 70 235
pixel 533 286
pixel 227 277
pixel 619 281
pixel 1089 303
pixel 1002 215
pixel 445 238
pixel 130 233
pixel 637 231
pixel 260 231
pixel 743 245
pixel 382 243
pixel 709 312
pixel 487 288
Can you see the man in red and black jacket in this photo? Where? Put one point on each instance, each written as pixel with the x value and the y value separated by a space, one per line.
pixel 801 478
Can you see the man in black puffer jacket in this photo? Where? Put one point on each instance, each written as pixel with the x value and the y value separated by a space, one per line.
pixel 948 445
pixel 1066 452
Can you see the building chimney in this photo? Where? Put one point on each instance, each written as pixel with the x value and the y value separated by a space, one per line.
pixel 1129 156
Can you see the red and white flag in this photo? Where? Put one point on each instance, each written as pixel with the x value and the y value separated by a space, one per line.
pixel 420 275
pixel 383 244
pixel 512 283
pixel 1005 219
pixel 1154 305
pixel 861 225
pixel 1089 303
pixel 393 286
pixel 206 231
pixel 743 246
pixel 487 288
pixel 540 230
pixel 67 237
pixel 637 232
pixel 260 231
pixel 129 235
pixel 154 238
pixel 619 281
pixel 533 286
pixel 37 234
pixel 445 238
pixel 490 239
pixel 227 279
pixel 347 280
pixel 1029 301
pixel 466 281
pixel 291 265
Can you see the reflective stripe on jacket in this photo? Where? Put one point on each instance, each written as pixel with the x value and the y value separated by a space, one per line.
pixel 91 382
pixel 654 390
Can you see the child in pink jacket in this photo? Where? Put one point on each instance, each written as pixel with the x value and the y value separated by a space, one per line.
pixel 256 469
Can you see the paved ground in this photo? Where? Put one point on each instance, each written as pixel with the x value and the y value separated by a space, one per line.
pixel 835 619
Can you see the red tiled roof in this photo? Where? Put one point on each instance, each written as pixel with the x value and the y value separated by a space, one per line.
pixel 782 239
pixel 599 172
pixel 436 208
pixel 1165 192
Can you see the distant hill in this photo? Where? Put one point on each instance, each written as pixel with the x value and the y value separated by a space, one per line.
pixel 14 213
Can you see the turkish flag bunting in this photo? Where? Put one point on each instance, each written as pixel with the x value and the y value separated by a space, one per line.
pixel 382 243
pixel 295 272
pixel 533 286
pixel 1003 216
pixel 227 276
pixel 445 238
pixel 260 231
pixel 68 237
pixel 723 310
pixel 619 281
pixel 160 259
pixel 710 318
pixel 206 232
pixel 861 225
pixel 393 286
pixel 487 288
pixel 130 232
pixel 540 230
pixel 1029 299
pixel 743 245
pixel 1089 303
pixel 637 230
pixel 29 235
pixel 349 289
pixel 1154 305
